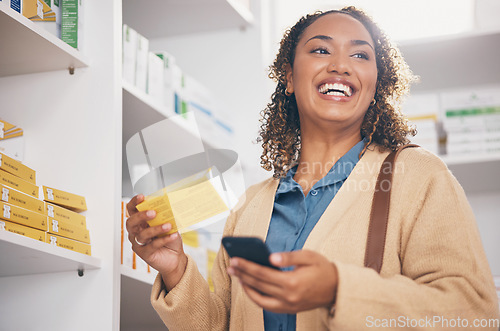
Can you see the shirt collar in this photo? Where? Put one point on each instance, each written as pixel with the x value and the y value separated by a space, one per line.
pixel 338 172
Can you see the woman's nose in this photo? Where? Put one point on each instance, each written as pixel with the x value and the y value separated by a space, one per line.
pixel 339 65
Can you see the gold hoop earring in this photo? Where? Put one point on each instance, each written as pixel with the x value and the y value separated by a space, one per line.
pixel 287 93
pixel 373 102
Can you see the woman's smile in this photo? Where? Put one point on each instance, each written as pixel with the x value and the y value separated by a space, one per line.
pixel 336 89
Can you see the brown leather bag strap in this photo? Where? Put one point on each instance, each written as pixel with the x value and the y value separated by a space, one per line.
pixel 379 216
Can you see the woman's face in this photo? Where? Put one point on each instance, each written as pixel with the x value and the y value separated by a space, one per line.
pixel 334 75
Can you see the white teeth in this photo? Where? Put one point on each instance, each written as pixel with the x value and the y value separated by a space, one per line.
pixel 335 89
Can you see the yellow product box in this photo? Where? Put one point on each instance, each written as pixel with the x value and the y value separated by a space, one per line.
pixel 8 130
pixel 23 230
pixel 5 127
pixel 36 9
pixel 64 214
pixel 18 183
pixel 68 230
pixel 65 199
pixel 21 199
pixel 17 168
pixel 23 216
pixel 70 244
pixel 186 202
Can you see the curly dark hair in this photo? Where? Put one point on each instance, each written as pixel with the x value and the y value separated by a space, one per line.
pixel 383 123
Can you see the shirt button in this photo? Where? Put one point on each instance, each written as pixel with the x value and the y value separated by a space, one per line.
pixel 314 193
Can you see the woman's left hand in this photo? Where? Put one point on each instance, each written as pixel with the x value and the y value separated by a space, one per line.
pixel 311 284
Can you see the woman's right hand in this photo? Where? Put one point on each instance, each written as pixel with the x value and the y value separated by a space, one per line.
pixel 164 254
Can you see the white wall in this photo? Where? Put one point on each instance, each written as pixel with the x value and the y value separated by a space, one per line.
pixel 485 207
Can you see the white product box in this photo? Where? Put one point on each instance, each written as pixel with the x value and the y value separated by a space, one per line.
pixel 155 77
pixel 72 26
pixel 129 55
pixel 141 73
pixel 422 105
pixel 168 80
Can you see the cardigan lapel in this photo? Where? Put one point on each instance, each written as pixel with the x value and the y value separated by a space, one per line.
pixel 263 206
pixel 259 216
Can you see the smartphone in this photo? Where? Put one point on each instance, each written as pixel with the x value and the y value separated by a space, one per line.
pixel 249 248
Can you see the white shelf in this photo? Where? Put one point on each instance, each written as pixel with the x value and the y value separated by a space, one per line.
pixel 470 159
pixel 449 37
pixel 160 18
pixel 446 63
pixel 147 278
pixel 26 256
pixel 476 173
pixel 27 48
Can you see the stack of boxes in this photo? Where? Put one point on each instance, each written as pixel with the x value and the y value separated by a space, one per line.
pixel 422 112
pixel 62 18
pixel 456 123
pixel 158 75
pixel 471 119
pixel 21 211
pixel 154 73
pixel 67 228
pixel 52 220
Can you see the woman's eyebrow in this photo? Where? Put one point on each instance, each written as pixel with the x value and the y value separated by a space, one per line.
pixel 320 37
pixel 361 42
pixel 354 42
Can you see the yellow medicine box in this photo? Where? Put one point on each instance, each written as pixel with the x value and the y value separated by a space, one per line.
pixel 18 183
pixel 17 168
pixel 186 202
pixel 68 230
pixel 23 216
pixel 23 230
pixel 65 199
pixel 22 200
pixel 64 214
pixel 70 244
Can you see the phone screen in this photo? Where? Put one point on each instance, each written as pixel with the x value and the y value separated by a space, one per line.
pixel 248 248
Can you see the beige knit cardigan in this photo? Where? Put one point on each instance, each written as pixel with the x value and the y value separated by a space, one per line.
pixel 434 263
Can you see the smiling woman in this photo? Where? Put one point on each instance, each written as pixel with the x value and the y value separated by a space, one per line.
pixel 332 121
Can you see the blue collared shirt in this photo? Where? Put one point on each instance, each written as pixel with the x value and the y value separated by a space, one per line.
pixel 294 216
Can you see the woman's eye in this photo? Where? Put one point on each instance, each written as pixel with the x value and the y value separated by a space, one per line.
pixel 361 56
pixel 320 50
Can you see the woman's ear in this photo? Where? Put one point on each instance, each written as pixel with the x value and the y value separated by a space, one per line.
pixel 289 79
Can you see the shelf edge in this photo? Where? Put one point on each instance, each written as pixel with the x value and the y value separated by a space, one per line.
pixel 36 247
pixel 147 278
pixel 81 60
